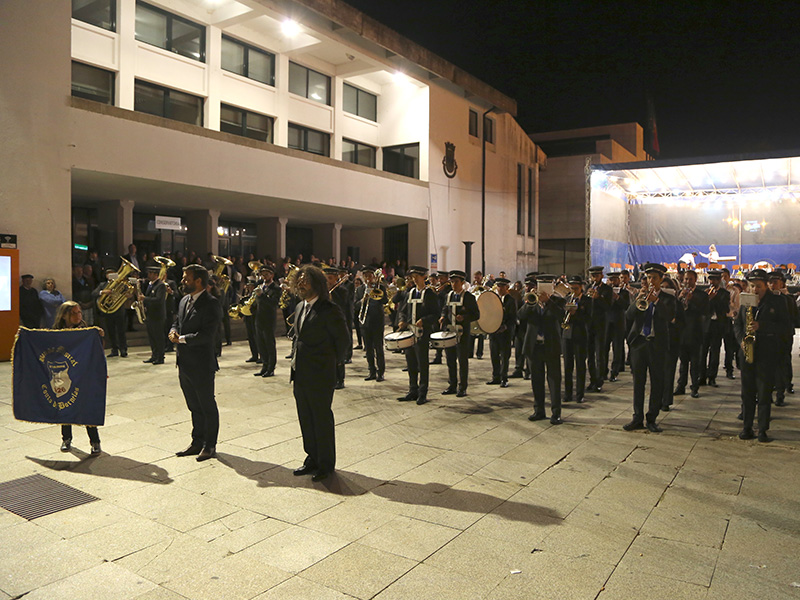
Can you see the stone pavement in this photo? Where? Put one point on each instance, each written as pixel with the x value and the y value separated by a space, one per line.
pixel 460 498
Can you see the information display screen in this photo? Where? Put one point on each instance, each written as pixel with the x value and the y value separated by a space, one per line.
pixel 5 283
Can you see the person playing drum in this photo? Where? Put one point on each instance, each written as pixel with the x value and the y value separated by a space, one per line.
pixel 500 341
pixel 419 314
pixel 460 309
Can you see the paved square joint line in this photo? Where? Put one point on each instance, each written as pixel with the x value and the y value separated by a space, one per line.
pixel 36 496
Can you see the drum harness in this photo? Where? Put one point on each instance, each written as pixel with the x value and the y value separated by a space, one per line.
pixel 454 304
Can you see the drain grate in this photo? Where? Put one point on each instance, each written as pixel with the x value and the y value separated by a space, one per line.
pixel 36 496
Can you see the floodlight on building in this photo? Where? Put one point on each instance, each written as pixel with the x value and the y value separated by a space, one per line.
pixel 290 28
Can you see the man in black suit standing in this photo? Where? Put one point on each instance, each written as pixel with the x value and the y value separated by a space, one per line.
pixel 719 300
pixel 459 311
pixel 155 307
pixel 370 323
pixel 500 341
pixel 615 325
pixel 601 296
pixel 193 333
pixel 649 316
pixel 319 345
pixel 695 305
pixel 574 338
pixel 268 295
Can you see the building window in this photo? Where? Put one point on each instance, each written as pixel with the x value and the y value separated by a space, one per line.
pixel 358 153
pixel 248 61
pixel 245 123
pixel 488 130
pixel 92 83
pixel 171 32
pixel 309 84
pixel 531 203
pixel 520 197
pixel 473 123
pixel 164 102
pixel 402 160
pixel 309 140
pixel 100 13
pixel 361 103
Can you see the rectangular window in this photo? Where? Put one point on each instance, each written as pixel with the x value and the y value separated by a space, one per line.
pixel 170 32
pixel 309 140
pixel 164 102
pixel 361 103
pixel 520 197
pixel 531 203
pixel 100 13
pixel 309 84
pixel 488 130
pixel 248 61
pixel 358 153
pixel 245 123
pixel 473 123
pixel 92 83
pixel 402 160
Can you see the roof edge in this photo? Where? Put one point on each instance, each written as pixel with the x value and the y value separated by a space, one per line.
pixel 699 160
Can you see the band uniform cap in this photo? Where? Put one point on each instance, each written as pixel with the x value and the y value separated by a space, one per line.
pixel 330 270
pixel 417 270
pixel 444 274
pixel 251 279
pixel 152 269
pixel 757 275
pixel 614 274
pixel 717 273
pixel 546 278
pixel 502 281
pixel 532 275
pixel 657 268
pixel 29 276
pixel 596 269
pixel 459 274
pixel 777 274
pixel 576 279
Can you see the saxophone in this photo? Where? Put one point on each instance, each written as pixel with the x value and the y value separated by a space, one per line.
pixel 749 341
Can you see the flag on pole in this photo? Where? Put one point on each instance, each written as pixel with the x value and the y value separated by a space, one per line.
pixel 59 376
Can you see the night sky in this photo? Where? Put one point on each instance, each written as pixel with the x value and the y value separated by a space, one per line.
pixel 723 76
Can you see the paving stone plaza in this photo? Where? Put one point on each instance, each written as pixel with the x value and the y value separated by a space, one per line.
pixel 460 498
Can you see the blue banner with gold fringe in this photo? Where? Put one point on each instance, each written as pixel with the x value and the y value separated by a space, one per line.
pixel 59 376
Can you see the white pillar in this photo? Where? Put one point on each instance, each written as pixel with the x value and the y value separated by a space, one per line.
pixel 213 78
pixel 126 51
pixel 282 100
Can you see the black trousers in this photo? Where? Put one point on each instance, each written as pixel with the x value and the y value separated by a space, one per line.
pixel 479 352
pixel 252 339
pixel 198 390
pixel 615 340
pixel 418 367
pixel 539 361
pixel 520 361
pixel 116 326
pixel 712 342
pixel 783 370
pixel 669 374
pixel 94 436
pixel 373 344
pixel 458 374
pixel 226 326
pixel 155 335
pixel 731 349
pixel 358 334
pixel 597 354
pixel 316 423
pixel 500 349
pixel 647 358
pixel 691 358
pixel 265 334
pixel 758 380
pixel 348 355
pixel 574 357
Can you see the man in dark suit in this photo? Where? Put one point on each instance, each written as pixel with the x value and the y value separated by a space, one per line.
pixel 574 338
pixel 30 307
pixel 783 373
pixel 319 345
pixel 349 290
pixel 340 297
pixel 769 322
pixel 695 304
pixel 420 313
pixel 500 341
pixel 615 324
pixel 370 322
pixel 718 305
pixel 154 301
pixel 459 311
pixel 268 294
pixel 601 296
pixel 543 319
pixel 649 316
pixel 193 333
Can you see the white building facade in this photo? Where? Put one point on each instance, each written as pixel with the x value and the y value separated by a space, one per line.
pixel 239 126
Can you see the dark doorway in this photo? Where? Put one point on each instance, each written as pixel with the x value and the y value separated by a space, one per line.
pixel 395 244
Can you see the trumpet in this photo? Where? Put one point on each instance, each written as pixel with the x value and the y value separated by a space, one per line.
pixel 532 298
pixel 565 324
pixel 641 299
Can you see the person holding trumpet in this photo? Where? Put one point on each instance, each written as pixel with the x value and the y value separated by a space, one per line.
pixel 370 321
pixel 459 311
pixel 574 338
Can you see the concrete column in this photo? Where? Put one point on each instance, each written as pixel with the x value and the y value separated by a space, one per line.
pixel 202 236
pixel 281 132
pixel 328 241
pixel 126 51
pixel 213 78
pixel 418 244
pixel 338 117
pixel 271 234
pixel 116 218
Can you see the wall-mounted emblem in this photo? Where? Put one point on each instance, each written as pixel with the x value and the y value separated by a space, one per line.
pixel 449 164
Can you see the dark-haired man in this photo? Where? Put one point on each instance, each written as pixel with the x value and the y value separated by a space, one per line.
pixel 268 294
pixel 419 314
pixel 459 311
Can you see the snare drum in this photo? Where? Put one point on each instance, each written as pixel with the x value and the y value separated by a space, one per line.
pixel 443 339
pixel 399 340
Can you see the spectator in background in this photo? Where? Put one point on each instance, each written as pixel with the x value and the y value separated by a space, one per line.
pixel 82 292
pixel 51 299
pixel 30 307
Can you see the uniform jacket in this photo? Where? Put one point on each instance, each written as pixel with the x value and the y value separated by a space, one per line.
pixel 547 320
pixel 266 304
pixel 427 310
pixel 155 300
pixel 319 345
pixel 773 321
pixel 468 310
pixel 663 313
pixel 694 315
pixel 579 321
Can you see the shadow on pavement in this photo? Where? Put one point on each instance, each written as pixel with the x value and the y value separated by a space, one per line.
pixel 117 467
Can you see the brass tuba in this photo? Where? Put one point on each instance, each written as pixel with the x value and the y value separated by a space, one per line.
pixel 289 283
pixel 225 281
pixel 121 289
pixel 166 263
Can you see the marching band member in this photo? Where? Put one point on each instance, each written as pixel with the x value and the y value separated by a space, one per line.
pixel 501 340
pixel 339 297
pixel 459 311
pixel 442 290
pixel 521 367
pixel 615 327
pixel 695 310
pixel 783 373
pixel 154 301
pixel 719 305
pixel 676 325
pixel 350 293
pixel 543 315
pixel 731 347
pixel 649 316
pixel 477 287
pixel 250 321
pixel 420 313
pixel 575 336
pixel 268 294
pixel 370 320
pixel 601 295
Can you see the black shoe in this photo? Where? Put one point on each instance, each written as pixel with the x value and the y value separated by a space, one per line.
pixel 580 400
pixel 320 476
pixel 407 398
pixel 405 369
pixel 479 356
pixel 515 375
pixel 192 450
pixel 436 361
pixel 359 347
pixel 371 377
pixel 763 437
pixel 339 385
pixel 449 391
pixel 746 434
pixel 348 362
pixel 304 470
pixel 527 377
pixel 252 359
pixel 228 343
pixel 149 360
pixel 259 374
pixel 555 421
pixel 665 408
pixel 461 393
pixel 679 391
pixel 95 449
pixel 740 416
pixel 590 388
pixel 567 399
pixel 613 379
pixel 695 394
pixel 790 389
pixel 713 383
pixel 123 355
pixel 288 356
pixel 379 378
pixel 113 354
pixel 269 374
pixel 730 375
pixel 66 445
pixel 652 427
pixel 780 402
pixel 504 384
pixel 493 382
pixel 206 453
pixel 537 417
pixel 421 400
pixel 158 362
pixel 633 426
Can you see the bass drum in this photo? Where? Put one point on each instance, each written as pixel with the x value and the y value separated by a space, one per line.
pixel 491 318
pixel 399 340
pixel 443 339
